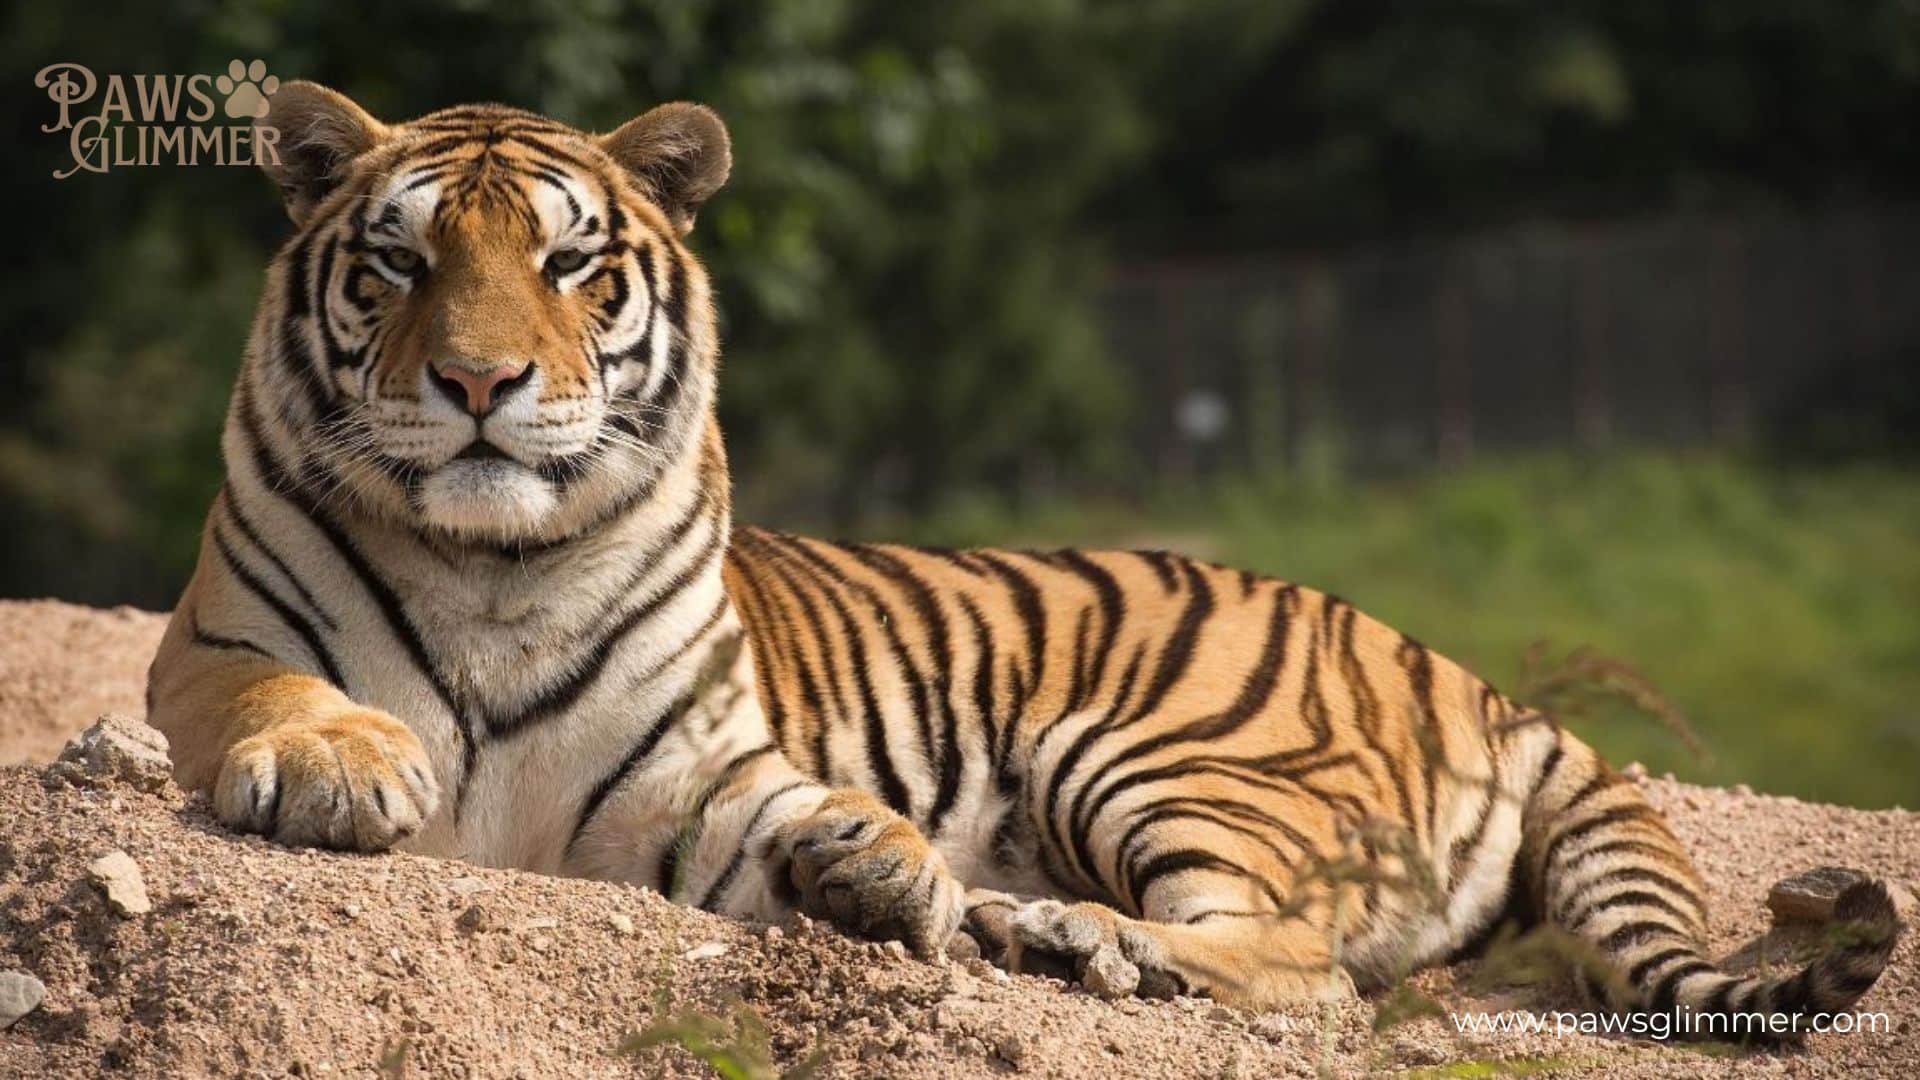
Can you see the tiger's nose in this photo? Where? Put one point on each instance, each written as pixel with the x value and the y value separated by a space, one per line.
pixel 479 391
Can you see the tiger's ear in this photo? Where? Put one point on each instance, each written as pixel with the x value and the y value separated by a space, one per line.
pixel 679 153
pixel 317 133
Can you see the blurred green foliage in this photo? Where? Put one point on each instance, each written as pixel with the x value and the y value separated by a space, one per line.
pixel 925 199
pixel 1775 607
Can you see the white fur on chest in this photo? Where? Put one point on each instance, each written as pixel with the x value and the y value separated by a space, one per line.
pixel 504 638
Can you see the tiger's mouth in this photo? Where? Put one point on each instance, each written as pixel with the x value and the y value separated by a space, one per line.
pixel 482 450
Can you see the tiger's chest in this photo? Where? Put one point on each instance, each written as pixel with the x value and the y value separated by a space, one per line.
pixel 525 684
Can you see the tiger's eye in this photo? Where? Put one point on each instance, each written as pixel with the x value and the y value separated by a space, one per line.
pixel 566 261
pixel 402 260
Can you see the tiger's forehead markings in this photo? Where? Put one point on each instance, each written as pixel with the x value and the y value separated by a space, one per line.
pixel 488 169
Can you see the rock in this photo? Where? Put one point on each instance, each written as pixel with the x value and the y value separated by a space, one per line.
pixel 1011 1050
pixel 118 876
pixel 115 748
pixel 20 994
pixel 475 920
pixel 705 951
pixel 465 885
pixel 621 924
pixel 774 933
pixel 1110 975
pixel 894 950
pixel 1810 896
pixel 1742 790
pixel 1274 1026
pixel 1634 771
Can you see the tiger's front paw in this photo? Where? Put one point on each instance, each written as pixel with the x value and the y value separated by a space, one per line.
pixel 871 872
pixel 359 781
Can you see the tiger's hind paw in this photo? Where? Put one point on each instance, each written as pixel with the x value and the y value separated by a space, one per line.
pixel 1106 952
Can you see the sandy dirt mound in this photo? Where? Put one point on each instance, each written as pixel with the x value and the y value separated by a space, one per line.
pixel 247 959
pixel 62 665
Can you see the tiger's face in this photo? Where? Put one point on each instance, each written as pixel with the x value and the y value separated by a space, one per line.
pixel 486 321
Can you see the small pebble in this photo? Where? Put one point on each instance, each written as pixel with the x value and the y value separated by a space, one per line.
pixel 1109 974
pixel 20 994
pixel 705 951
pixel 465 885
pixel 117 876
pixel 621 924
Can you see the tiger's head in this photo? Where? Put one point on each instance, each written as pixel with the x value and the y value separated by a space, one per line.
pixel 485 324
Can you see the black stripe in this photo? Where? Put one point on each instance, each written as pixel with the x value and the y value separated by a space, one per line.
pixel 1636 897
pixel 689 837
pixel 1033 620
pixel 1566 914
pixel 1417 659
pixel 1662 997
pixel 939 636
pixel 563 695
pixel 918 684
pixel 293 619
pixel 1635 811
pixel 231 644
pixel 1178 809
pixel 253 537
pixel 1162 564
pixel 711 899
pixel 1616 846
pixel 641 749
pixel 812 700
pixel 1718 1001
pixel 983 665
pixel 1625 935
pixel 1547 767
pixel 1178 862
pixel 1256 691
pixel 892 789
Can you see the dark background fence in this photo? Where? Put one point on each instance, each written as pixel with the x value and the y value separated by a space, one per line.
pixel 1675 333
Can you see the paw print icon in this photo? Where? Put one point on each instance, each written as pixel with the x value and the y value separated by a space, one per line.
pixel 247 87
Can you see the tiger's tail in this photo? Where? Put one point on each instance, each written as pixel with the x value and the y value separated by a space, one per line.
pixel 1603 867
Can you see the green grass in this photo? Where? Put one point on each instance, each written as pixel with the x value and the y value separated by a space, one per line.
pixel 1780 609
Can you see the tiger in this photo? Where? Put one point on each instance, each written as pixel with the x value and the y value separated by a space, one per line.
pixel 471 588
